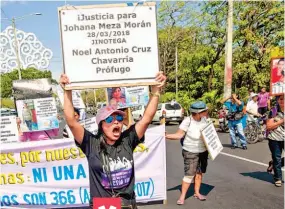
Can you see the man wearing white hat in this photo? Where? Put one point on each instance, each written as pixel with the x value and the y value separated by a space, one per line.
pixel 252 107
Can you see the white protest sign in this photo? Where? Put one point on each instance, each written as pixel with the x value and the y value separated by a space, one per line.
pixel 109 45
pixel 212 141
pixel 9 131
pixel 90 125
pixel 76 98
pixel 38 114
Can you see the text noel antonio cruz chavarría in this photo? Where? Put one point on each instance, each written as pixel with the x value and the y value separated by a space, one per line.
pixel 111 69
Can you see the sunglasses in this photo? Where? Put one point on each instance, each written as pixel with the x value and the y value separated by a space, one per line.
pixel 111 118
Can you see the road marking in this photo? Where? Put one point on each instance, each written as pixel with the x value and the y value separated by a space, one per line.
pixel 245 159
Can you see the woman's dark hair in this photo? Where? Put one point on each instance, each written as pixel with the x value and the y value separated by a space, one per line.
pixel 115 88
pixel 100 135
pixel 77 111
pixel 277 103
pixel 282 59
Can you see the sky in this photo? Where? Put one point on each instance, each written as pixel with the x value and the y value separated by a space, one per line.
pixel 45 27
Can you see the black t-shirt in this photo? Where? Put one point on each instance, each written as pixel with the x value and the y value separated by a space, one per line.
pixel 121 162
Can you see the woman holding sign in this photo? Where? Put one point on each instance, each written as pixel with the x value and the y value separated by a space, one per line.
pixel 276 135
pixel 110 152
pixel 194 151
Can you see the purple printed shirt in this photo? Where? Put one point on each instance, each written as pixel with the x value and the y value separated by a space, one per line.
pixel 262 99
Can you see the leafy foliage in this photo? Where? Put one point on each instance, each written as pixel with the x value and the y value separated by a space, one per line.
pixel 89 97
pixel 7 103
pixel 200 36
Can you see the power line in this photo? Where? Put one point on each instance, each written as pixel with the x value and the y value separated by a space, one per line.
pixel 5 13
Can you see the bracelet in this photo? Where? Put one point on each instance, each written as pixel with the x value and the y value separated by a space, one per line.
pixel 156 94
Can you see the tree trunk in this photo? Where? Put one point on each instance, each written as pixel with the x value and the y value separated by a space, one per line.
pixel 210 80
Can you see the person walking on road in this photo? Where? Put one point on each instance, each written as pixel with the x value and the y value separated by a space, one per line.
pixel 194 151
pixel 235 117
pixel 276 135
pixel 263 101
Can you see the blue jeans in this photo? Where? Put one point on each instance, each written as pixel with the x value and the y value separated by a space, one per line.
pixel 276 148
pixel 239 128
pixel 29 124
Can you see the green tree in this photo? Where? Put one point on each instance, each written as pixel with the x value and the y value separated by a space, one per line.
pixel 7 103
pixel 200 35
pixel 89 97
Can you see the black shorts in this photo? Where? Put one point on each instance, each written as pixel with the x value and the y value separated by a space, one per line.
pixel 195 162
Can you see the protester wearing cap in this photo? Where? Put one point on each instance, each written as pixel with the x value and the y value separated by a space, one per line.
pixel 252 107
pixel 110 151
pixel 194 151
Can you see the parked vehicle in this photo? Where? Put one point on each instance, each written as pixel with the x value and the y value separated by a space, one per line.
pixel 223 122
pixel 13 112
pixel 138 112
pixel 171 111
pixel 5 112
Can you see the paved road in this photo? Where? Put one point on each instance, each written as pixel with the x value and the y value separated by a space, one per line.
pixel 229 183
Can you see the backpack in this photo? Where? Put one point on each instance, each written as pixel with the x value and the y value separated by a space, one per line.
pixel 182 139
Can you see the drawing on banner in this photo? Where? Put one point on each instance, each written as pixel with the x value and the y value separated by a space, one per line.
pixel 124 97
pixel 37 114
pixel 277 85
pixel 212 141
pixel 32 89
pixel 121 171
pixel 76 98
pixel 9 131
pixel 116 44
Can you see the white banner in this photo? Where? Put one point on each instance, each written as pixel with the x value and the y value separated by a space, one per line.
pixel 109 45
pixel 8 129
pixel 54 174
pixel 150 166
pixel 212 141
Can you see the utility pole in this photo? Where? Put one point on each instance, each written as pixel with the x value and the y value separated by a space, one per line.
pixel 229 52
pixel 95 98
pixel 16 49
pixel 13 20
pixel 176 70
